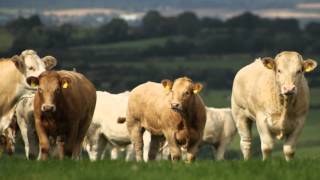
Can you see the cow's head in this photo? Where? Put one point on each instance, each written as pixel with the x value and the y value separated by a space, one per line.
pixel 50 87
pixel 289 68
pixel 181 91
pixel 30 64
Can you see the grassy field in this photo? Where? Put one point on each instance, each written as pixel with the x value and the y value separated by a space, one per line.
pixel 275 169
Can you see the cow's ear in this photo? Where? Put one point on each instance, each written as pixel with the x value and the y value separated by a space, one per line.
pixel 309 65
pixel 167 84
pixel 197 87
pixel 33 81
pixel 268 62
pixel 65 82
pixel 50 62
pixel 18 61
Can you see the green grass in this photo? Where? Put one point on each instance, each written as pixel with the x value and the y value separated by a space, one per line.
pixel 256 169
pixel 137 45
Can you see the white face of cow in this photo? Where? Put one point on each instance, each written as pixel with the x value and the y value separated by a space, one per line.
pixel 289 68
pixel 34 65
pixel 31 65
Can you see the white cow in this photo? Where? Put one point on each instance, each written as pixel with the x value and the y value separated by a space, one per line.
pixel 219 131
pixel 13 85
pixel 275 94
pixel 105 128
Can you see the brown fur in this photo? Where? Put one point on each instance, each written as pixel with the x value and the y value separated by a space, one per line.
pixel 150 107
pixel 70 121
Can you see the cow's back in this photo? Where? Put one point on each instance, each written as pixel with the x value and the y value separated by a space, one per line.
pixel 109 108
pixel 219 123
pixel 147 104
pixel 252 87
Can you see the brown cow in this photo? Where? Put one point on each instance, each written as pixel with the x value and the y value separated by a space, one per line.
pixel 63 108
pixel 174 110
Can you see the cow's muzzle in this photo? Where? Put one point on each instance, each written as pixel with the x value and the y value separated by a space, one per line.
pixel 48 108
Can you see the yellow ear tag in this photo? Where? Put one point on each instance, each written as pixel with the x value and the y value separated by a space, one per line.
pixel 195 91
pixel 65 85
pixel 167 88
pixel 269 66
pixel 33 84
pixel 308 69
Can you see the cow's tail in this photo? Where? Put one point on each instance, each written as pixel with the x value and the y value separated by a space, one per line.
pixel 121 120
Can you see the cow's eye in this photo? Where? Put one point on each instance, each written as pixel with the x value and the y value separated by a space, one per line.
pixel 187 93
pixel 31 68
pixel 299 71
pixel 40 90
pixel 279 71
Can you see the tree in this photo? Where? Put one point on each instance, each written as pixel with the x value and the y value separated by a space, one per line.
pixel 115 30
pixel 188 24
pixel 22 25
pixel 151 23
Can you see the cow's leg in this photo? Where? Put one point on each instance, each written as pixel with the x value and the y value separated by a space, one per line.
pixel 266 139
pixel 130 152
pixel 114 153
pixel 175 151
pixel 24 133
pixel 44 144
pixel 193 150
pixel 80 133
pixel 221 148
pixel 101 147
pixel 244 129
pixel 60 144
pixel 135 131
pixel 146 145
pixel 291 140
pixel 154 147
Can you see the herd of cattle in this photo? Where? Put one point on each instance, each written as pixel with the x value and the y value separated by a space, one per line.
pixel 60 113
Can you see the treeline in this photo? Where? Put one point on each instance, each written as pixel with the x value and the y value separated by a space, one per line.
pixel 246 33
pixel 186 35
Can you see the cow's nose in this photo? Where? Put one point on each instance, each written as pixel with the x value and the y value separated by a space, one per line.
pixel 175 105
pixel 288 89
pixel 48 108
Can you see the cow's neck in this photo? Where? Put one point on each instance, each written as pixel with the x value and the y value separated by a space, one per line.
pixel 284 104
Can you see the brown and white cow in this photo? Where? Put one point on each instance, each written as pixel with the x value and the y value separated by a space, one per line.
pixel 63 108
pixel 275 94
pixel 13 85
pixel 173 109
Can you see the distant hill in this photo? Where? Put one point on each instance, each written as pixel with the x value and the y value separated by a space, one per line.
pixel 151 4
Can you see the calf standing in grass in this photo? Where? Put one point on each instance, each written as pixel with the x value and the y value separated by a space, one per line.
pixel 220 129
pixel 173 109
pixel 63 108
pixel 275 94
